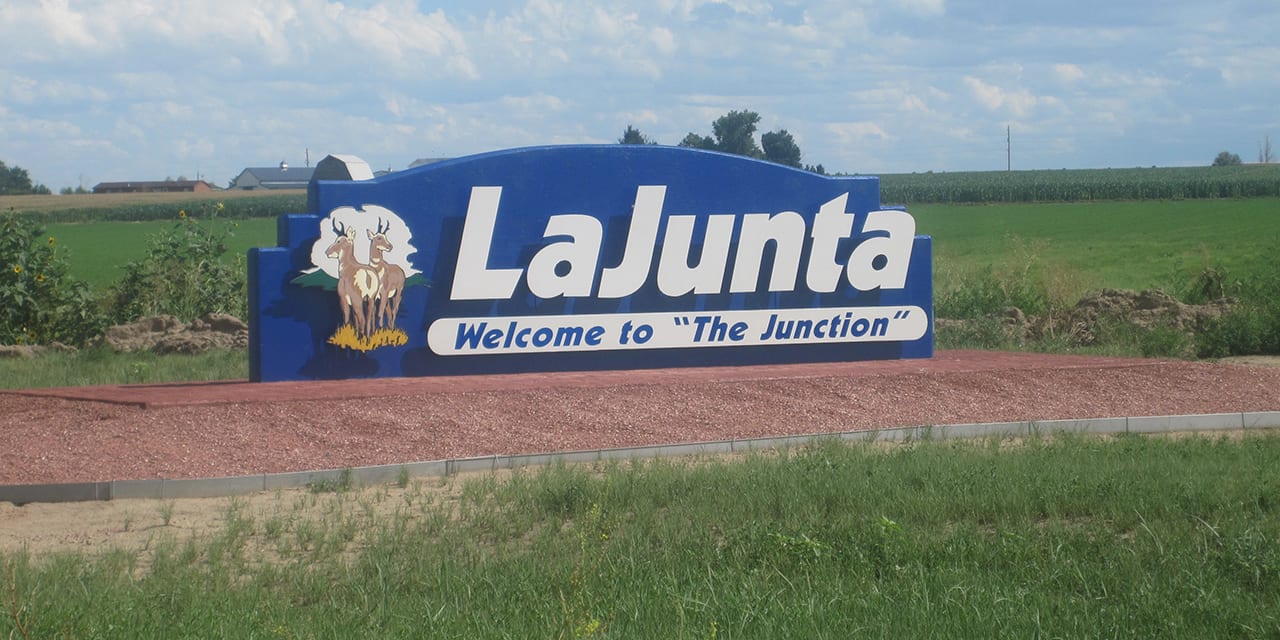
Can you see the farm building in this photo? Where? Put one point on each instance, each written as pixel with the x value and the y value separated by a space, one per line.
pixel 159 186
pixel 281 177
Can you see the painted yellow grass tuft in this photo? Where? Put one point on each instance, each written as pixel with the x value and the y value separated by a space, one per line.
pixel 347 338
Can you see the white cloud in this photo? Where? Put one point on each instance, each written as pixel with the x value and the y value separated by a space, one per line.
pixel 396 34
pixel 917 85
pixel 964 134
pixel 270 33
pixel 612 26
pixel 924 7
pixel 1068 73
pixel 147 84
pixel 914 103
pixel 664 40
pixel 54 19
pixel 19 89
pixel 991 97
pixel 197 148
pixel 1250 67
pixel 545 40
pixel 646 116
pixel 854 132
pixel 127 131
pixel 534 103
pixel 1017 102
pixel 46 129
pixel 392 105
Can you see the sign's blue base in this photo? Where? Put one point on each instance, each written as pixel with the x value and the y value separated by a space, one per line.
pixel 587 258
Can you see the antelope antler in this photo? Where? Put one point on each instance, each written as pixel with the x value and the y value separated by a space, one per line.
pixel 381 230
pixel 339 230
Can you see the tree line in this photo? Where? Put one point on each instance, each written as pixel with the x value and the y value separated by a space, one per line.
pixel 14 181
pixel 734 132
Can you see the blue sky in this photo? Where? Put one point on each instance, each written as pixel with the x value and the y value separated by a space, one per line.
pixel 108 90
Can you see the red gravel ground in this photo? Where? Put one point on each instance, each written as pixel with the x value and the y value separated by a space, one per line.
pixel 238 428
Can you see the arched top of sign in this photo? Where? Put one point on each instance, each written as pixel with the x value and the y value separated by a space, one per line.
pixel 579 257
pixel 584 171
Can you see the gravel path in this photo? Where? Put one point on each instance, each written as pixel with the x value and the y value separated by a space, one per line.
pixel 239 429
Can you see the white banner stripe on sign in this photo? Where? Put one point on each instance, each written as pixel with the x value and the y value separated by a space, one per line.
pixel 620 331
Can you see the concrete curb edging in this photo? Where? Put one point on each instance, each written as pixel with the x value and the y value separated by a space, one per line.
pixel 165 489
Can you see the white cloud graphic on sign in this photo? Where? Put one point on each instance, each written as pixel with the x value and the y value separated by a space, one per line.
pixel 363 221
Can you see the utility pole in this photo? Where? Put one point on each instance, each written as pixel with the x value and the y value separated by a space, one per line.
pixel 1008 150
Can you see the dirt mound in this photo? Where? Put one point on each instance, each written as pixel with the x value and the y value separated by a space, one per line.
pixel 166 334
pixel 1104 310
pixel 1146 310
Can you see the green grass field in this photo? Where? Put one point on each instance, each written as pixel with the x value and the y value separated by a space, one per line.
pixel 1074 537
pixel 100 250
pixel 1131 245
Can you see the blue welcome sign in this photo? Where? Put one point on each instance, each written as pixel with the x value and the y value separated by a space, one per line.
pixel 587 257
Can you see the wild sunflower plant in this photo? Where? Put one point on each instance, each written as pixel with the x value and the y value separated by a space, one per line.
pixel 39 302
pixel 185 272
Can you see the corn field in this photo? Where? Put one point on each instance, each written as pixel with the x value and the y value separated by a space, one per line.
pixel 140 207
pixel 1082 185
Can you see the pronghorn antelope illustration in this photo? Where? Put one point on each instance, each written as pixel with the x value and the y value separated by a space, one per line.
pixel 390 276
pixel 358 283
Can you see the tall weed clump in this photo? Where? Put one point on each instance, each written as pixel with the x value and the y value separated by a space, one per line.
pixel 39 302
pixel 1022 279
pixel 185 273
pixel 986 292
pixel 1253 326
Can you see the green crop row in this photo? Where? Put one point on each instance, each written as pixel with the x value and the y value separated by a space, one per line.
pixel 105 210
pixel 1082 185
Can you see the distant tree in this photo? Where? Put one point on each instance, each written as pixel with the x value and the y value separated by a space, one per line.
pixel 14 181
pixel 633 136
pixel 67 191
pixel 1226 159
pixel 781 148
pixel 819 169
pixel 695 141
pixel 735 133
pixel 1264 151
